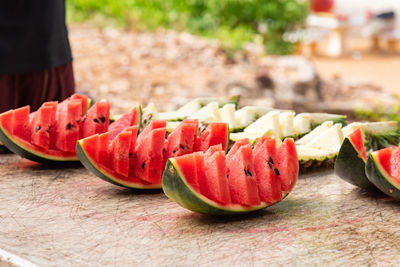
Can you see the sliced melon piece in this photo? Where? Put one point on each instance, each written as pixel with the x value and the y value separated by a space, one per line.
pixel 269 121
pixel 302 124
pixel 249 114
pixel 195 105
pixel 253 137
pixel 330 140
pixel 318 118
pixel 314 133
pixel 286 123
pixel 227 115
pixel 207 114
pixel 306 153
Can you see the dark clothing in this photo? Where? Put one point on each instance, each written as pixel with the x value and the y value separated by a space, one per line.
pixel 33 35
pixel 33 88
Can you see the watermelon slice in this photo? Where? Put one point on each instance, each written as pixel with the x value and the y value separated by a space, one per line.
pixel 382 170
pixel 242 177
pixel 202 187
pixel 215 133
pixel 269 184
pixel 96 120
pixel 182 140
pixel 48 135
pixel 350 163
pixel 132 117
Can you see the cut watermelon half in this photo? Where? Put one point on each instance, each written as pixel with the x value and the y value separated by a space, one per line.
pixel 382 169
pixel 48 135
pixel 199 185
pixel 350 162
pixel 139 163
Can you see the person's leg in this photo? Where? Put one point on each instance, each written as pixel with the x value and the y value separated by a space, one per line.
pixel 61 83
pixel 36 87
pixel 9 94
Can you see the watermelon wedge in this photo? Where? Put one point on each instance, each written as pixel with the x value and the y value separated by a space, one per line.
pixel 48 135
pixel 350 163
pixel 199 185
pixel 137 160
pixel 382 170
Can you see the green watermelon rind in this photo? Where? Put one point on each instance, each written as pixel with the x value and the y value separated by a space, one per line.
pixel 177 189
pixel 102 174
pixel 350 166
pixel 378 176
pixel 20 149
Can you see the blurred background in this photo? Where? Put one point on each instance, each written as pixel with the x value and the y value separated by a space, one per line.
pixel 319 55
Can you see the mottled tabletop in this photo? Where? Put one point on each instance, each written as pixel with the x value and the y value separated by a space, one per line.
pixel 53 216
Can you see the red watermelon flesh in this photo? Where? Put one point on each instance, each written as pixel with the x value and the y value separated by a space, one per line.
pixel 128 119
pixel 103 156
pixel 269 184
pixel 181 140
pixel 149 155
pixel 67 127
pixel 7 121
pixel 119 153
pixel 187 166
pixel 242 177
pixel 96 121
pixel 384 157
pixel 134 130
pixel 21 123
pixel 41 124
pixel 84 102
pixel 217 186
pixel 236 147
pixel 151 126
pixel 91 146
pixel 215 133
pixel 200 185
pixel 357 141
pixel 395 163
pixel 287 165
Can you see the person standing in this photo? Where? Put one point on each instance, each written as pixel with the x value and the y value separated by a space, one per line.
pixel 35 54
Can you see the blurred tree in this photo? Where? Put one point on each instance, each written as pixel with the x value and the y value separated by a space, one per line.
pixel 233 22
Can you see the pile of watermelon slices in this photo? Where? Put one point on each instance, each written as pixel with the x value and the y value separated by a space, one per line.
pixel 244 180
pixel 191 164
pixel 50 134
pixel 137 160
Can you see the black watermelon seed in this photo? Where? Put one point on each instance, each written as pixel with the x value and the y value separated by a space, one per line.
pixel 227 176
pixel 84 120
pixel 276 171
pixel 77 121
pixel 96 120
pixel 48 130
pixel 143 164
pixel 181 147
pixel 269 165
pixel 69 126
pixel 249 173
pixel 245 172
pixel 270 160
pixel 174 151
pixel 38 128
pixel 130 154
pixel 103 119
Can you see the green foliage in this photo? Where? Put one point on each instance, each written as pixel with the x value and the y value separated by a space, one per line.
pixel 233 22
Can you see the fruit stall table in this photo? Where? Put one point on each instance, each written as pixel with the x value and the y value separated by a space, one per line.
pixel 53 216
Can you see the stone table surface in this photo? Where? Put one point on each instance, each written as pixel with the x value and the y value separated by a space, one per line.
pixel 68 217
